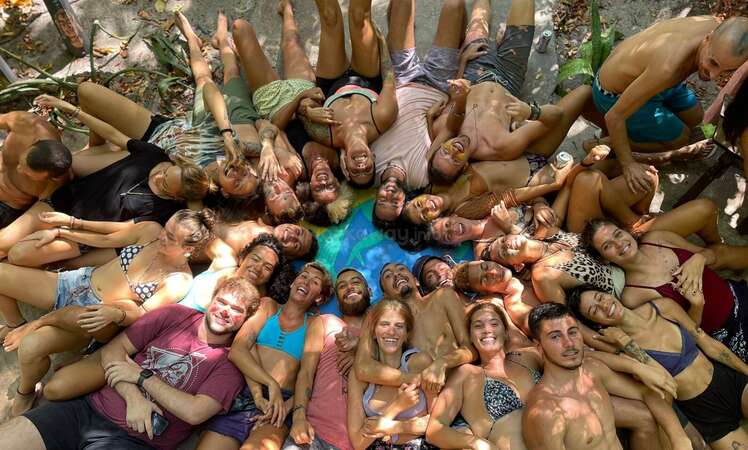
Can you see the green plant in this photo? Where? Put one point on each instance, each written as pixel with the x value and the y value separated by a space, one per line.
pixel 591 54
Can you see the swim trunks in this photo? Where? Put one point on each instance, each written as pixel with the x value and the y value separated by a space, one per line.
pixel 272 97
pixel 441 64
pixel 504 63
pixel 656 121
pixel 240 420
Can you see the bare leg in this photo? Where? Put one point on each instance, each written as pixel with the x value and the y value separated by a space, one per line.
pixel 296 64
pixel 452 21
pixel 736 440
pixel 695 217
pixel 220 41
pixel 266 437
pixel 692 152
pixel 15 282
pixel 401 25
pixel 635 416
pixel 210 440
pixel 521 13
pixel 22 227
pixel 480 21
pixel 571 105
pixel 257 68
pixel 34 362
pixel 76 379
pixel 26 254
pixel 20 434
pixel 364 44
pixel 114 109
pixel 691 117
pixel 332 62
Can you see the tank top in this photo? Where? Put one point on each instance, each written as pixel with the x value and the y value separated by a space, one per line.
pixel 718 299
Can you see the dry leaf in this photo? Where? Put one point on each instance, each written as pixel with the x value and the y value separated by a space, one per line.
pixel 20 3
pixel 160 5
pixel 143 14
pixel 102 51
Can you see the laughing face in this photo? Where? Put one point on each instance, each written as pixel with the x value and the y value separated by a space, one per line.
pixel 352 293
pixel 280 199
pixel 358 164
pixel 487 332
pixel 323 184
pixel 295 240
pixel 437 274
pixel 601 307
pixel 614 244
pixel 397 281
pixel 508 250
pixel 391 332
pixel 390 200
pixel 307 287
pixel 451 157
pixel 258 266
pixel 488 277
pixel 225 313
pixel 450 230
pixel 424 208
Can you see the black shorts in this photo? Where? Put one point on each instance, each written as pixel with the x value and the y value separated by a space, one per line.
pixel 156 120
pixel 330 85
pixel 717 411
pixel 75 424
pixel 8 214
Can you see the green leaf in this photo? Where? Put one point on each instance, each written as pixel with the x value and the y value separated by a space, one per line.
pixel 597 58
pixel 585 52
pixel 574 68
pixel 168 52
pixel 708 129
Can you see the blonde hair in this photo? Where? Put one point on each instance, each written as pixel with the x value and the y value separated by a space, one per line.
pixel 339 209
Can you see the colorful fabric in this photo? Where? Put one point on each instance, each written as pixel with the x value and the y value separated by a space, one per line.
pixel 272 97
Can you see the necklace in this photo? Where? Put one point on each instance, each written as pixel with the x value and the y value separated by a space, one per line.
pixel 130 191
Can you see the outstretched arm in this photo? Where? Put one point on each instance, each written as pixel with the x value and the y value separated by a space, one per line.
pixel 214 102
pixel 94 124
pixel 385 110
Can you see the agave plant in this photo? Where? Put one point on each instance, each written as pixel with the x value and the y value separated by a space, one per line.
pixel 591 53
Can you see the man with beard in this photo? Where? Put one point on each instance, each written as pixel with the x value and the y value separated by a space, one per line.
pixel 320 408
pixel 571 408
pixel 178 377
pixel 440 332
pixel 639 93
pixel 433 272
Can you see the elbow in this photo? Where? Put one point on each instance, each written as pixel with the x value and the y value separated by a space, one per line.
pixel 196 416
pixel 432 432
pixel 20 256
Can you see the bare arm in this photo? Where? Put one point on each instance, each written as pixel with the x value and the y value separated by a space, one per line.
pixel 214 102
pixel 385 110
pixel 244 342
pixel 448 405
pixel 356 416
pixel 193 409
pixel 313 344
pixel 140 232
pixel 94 124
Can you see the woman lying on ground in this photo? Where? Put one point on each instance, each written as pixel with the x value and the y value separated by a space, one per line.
pixel 400 414
pixel 711 379
pixel 268 351
pixel 660 261
pixel 261 263
pixel 151 271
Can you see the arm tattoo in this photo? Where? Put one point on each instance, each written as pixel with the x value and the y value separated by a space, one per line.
pixel 385 63
pixel 633 350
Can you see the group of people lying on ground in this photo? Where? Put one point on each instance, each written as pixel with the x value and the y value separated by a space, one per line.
pixel 581 322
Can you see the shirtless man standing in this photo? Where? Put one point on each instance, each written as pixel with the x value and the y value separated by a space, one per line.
pixel 440 333
pixel 571 408
pixel 640 91
pixel 34 161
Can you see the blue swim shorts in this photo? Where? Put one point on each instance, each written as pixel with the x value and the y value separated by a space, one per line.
pixel 656 121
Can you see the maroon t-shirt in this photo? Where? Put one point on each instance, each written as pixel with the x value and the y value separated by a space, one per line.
pixel 167 344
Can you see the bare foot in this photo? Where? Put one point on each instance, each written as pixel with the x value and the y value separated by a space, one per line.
pixel 589 144
pixel 596 154
pixel 13 339
pixel 282 6
pixel 641 226
pixel 698 151
pixel 6 329
pixel 22 403
pixel 184 26
pixel 221 36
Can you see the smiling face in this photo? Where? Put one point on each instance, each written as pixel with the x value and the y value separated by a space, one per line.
pixel 295 240
pixel 358 164
pixel 451 158
pixel 397 281
pixel 173 237
pixel 238 181
pixel 450 230
pixel 390 332
pixel 258 266
pixel 488 277
pixel 601 308
pixel 614 244
pixel 280 199
pixel 561 342
pixel 424 208
pixel 323 184
pixel 508 250
pixel 437 274
pixel 352 293
pixel 717 56
pixel 390 200
pixel 487 331
pixel 225 313
pixel 166 180
pixel 307 287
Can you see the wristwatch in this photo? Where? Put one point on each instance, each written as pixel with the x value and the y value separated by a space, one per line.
pixel 144 375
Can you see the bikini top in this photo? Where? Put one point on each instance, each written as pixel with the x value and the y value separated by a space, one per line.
pixel 500 398
pixel 143 291
pixel 414 411
pixel 349 90
pixel 291 342
pixel 675 363
pixel 587 269
pixel 718 297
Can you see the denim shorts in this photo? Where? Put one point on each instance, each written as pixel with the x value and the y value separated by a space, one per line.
pixel 441 64
pixel 74 288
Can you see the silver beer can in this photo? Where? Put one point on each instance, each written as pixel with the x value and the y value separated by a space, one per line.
pixel 545 38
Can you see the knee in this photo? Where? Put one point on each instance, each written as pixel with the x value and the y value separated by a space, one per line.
pixel 588 179
pixel 19 256
pixel 358 16
pixel 55 390
pixel 330 17
pixel 86 91
pixel 31 349
pixel 241 28
pixel 704 207
pixel 454 6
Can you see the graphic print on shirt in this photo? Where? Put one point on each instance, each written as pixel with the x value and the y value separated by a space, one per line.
pixel 173 368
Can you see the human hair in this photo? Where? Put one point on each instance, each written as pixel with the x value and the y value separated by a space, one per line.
pixel 461 278
pixel 735 30
pixel 543 312
pixel 409 236
pixel 735 121
pixel 327 284
pixel 339 209
pixel 438 177
pixel 378 310
pixel 367 293
pixel 480 306
pixel 313 249
pixel 574 302
pixel 288 215
pixel 278 286
pixel 50 156
pixel 592 227
pixel 199 225
pixel 242 289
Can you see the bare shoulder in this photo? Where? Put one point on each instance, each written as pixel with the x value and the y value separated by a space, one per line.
pixel 543 407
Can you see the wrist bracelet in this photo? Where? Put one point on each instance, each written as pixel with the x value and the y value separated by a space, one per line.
pixel 76 111
pixel 534 111
pixel 296 408
pixel 230 130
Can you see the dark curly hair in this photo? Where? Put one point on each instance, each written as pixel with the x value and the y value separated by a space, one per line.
pixel 735 122
pixel 592 227
pixel 278 286
pixel 574 302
